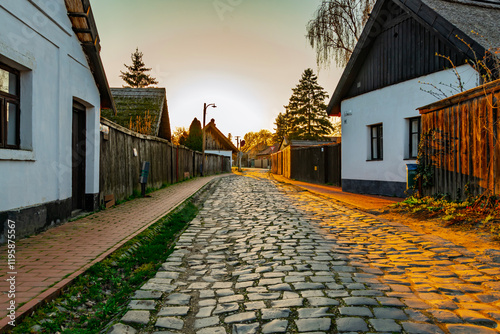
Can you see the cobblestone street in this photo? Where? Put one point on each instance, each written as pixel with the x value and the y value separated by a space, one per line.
pixel 263 257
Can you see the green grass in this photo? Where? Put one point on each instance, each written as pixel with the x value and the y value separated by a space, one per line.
pixel 102 293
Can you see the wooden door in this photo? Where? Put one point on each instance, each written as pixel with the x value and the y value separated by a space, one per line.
pixel 78 156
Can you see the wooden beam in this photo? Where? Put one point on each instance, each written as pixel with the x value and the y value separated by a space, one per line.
pixel 77 14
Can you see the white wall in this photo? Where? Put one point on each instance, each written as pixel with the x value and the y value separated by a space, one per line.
pixel 37 39
pixel 391 106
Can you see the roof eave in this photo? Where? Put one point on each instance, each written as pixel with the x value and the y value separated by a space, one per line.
pixel 84 26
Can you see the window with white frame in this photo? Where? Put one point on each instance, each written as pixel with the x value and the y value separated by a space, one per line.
pixel 376 142
pixel 10 113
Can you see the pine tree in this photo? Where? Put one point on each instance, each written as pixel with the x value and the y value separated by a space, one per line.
pixel 282 127
pixel 194 139
pixel 136 76
pixel 306 110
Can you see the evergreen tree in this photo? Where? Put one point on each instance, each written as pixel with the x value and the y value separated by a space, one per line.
pixel 194 139
pixel 306 110
pixel 282 127
pixel 136 76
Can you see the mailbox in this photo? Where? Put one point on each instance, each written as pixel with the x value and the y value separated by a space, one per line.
pixel 143 178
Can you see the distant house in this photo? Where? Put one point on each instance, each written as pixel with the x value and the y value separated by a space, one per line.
pixel 382 85
pixel 263 158
pixel 52 89
pixel 136 102
pixel 217 143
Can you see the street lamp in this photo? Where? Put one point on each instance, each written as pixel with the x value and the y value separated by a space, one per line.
pixel 205 106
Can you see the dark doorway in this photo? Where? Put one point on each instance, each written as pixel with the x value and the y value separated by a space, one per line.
pixel 78 156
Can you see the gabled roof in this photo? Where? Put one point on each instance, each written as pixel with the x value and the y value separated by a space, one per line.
pixel 448 19
pixel 82 20
pixel 269 150
pixel 133 102
pixel 212 130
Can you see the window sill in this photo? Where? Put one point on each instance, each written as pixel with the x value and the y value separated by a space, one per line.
pixel 17 155
pixel 410 159
pixel 368 160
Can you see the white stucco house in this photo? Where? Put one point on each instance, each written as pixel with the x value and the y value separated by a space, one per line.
pixel 384 82
pixel 52 87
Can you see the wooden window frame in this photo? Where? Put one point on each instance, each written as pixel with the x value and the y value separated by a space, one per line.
pixel 378 153
pixel 5 99
pixel 411 154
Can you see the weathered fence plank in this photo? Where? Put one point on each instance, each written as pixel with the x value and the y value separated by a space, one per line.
pixel 120 168
pixel 465 152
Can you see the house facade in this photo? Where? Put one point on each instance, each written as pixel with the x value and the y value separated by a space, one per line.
pixel 217 143
pixel 395 68
pixel 52 87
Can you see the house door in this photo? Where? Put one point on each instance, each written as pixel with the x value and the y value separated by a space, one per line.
pixel 78 156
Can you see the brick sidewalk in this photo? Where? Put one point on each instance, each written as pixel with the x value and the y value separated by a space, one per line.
pixel 362 201
pixel 47 262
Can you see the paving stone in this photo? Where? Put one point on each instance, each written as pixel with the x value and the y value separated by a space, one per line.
pixel 231 299
pixel 308 286
pixel 173 311
pixel 322 301
pixel 313 312
pixel 137 317
pixel 224 292
pixel 317 324
pixel 385 325
pixel 207 294
pixel 468 329
pixel 222 285
pixel 169 322
pixel 280 287
pixel 389 313
pixel 250 306
pixel 240 317
pixel 356 311
pixel 207 302
pixel 263 296
pixel 212 330
pixel 360 301
pixel 206 322
pixel 287 302
pixel 419 328
pixel 351 324
pixel 178 299
pixel 122 329
pixel 475 318
pixel 445 316
pixel 275 326
pixel 143 294
pixel 274 313
pixel 245 328
pixel 204 312
pixel 142 305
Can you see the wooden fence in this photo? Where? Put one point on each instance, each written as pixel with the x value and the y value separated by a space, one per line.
pixel 123 152
pixel 460 142
pixel 317 164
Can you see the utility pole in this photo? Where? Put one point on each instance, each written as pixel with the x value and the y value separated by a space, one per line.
pixel 239 152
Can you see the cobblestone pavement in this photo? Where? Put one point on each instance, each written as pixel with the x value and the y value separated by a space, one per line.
pixel 266 258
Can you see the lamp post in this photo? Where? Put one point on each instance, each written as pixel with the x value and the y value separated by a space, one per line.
pixel 205 106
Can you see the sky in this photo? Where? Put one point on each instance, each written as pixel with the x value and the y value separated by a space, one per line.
pixel 243 55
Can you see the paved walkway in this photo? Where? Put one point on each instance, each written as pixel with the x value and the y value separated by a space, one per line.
pixel 262 257
pixel 50 260
pixel 364 202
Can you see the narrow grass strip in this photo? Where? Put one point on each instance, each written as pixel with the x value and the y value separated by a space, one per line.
pixel 101 294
